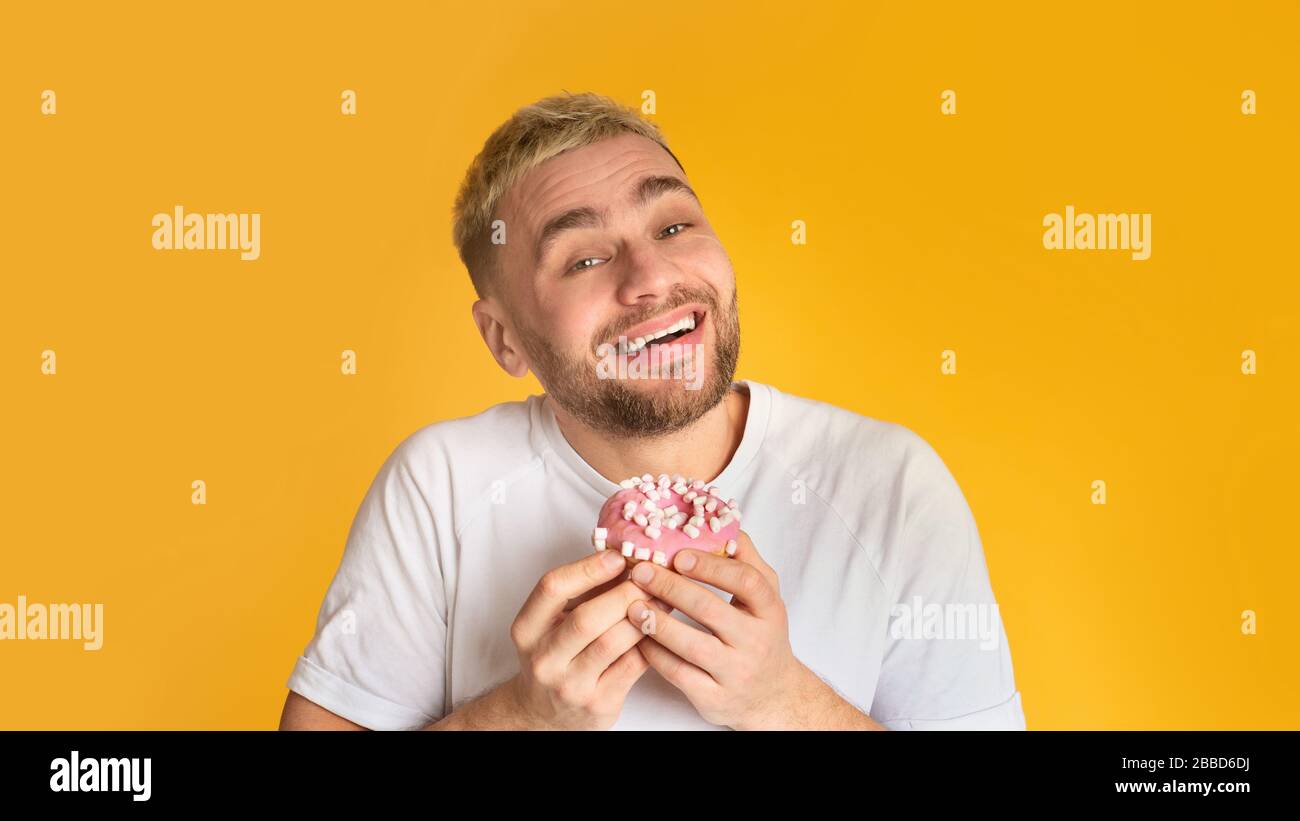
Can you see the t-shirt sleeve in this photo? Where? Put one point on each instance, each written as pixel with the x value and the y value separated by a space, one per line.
pixel 377 656
pixel 947 662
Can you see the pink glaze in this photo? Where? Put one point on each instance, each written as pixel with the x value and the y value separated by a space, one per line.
pixel 670 540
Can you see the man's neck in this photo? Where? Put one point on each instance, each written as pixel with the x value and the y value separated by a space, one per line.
pixel 700 451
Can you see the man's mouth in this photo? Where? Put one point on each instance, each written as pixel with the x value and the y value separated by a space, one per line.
pixel 684 329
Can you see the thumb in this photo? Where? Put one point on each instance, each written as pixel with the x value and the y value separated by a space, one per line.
pixel 748 553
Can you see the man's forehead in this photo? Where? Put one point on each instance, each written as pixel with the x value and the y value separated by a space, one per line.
pixel 578 176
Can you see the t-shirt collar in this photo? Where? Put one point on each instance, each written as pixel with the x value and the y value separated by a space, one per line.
pixel 760 402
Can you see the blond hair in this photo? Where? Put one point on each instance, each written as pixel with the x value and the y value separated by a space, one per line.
pixel 533 135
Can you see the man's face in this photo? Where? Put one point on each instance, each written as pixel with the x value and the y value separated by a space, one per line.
pixel 594 253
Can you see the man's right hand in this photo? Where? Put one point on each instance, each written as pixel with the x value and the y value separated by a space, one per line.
pixel 576 666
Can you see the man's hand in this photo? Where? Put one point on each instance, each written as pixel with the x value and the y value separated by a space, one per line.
pixel 744 674
pixel 577 665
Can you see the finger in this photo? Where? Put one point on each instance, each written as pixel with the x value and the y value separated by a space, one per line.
pixel 618 679
pixel 745 582
pixel 705 606
pixel 588 622
pixel 554 590
pixel 678 672
pixel 596 657
pixel 692 645
pixel 595 591
pixel 747 553
pixel 604 650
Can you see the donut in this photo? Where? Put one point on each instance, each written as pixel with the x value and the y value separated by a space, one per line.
pixel 651 518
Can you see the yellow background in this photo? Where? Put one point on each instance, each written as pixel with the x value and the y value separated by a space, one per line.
pixel 924 234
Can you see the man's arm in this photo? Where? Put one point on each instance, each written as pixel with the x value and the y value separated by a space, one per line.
pixel 303 714
pixel 497 709
pixel 493 710
pixel 816 706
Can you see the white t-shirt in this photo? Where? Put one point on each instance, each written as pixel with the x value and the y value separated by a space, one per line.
pixel 855 515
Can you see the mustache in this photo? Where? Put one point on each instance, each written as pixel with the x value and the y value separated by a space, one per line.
pixel 670 305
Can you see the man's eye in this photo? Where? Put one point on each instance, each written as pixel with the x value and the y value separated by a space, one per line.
pixel 581 265
pixel 671 231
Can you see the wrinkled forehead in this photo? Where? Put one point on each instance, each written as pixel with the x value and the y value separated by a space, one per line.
pixel 597 176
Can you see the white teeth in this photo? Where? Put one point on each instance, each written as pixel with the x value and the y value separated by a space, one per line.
pixel 686 323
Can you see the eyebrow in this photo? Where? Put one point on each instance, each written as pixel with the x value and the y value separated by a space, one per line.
pixel 648 189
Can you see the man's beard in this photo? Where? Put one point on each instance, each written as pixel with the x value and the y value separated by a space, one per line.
pixel 614 406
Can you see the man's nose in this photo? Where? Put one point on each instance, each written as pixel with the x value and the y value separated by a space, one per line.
pixel 646 273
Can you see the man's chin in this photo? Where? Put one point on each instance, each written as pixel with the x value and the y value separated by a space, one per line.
pixel 665 385
pixel 666 376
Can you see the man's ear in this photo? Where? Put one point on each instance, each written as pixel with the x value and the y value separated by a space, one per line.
pixel 500 339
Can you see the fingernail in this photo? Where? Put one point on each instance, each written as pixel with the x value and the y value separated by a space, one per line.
pixel 636 611
pixel 642 573
pixel 613 559
pixel 685 560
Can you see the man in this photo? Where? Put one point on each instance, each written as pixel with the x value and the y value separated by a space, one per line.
pixel 469 594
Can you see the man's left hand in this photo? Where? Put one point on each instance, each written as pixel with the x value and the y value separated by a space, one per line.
pixel 742 674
